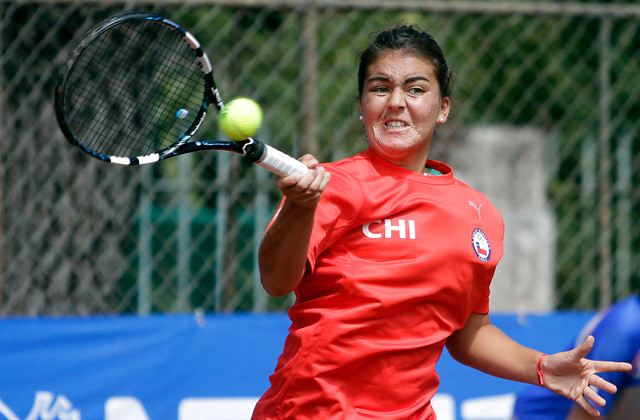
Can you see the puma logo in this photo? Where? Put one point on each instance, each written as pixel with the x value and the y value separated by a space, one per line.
pixel 472 204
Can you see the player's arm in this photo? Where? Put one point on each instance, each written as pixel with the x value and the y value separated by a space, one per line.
pixel 577 413
pixel 282 255
pixel 483 346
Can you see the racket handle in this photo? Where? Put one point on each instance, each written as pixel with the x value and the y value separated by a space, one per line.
pixel 280 163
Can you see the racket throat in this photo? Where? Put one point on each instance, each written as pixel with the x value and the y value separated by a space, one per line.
pixel 254 150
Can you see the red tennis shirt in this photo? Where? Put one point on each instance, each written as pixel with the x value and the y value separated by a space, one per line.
pixel 397 262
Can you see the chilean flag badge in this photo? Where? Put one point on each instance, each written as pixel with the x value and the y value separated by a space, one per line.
pixel 481 245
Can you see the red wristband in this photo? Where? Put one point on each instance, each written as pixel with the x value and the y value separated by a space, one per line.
pixel 540 374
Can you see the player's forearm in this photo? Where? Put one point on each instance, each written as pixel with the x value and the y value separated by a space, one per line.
pixel 485 347
pixel 505 358
pixel 283 252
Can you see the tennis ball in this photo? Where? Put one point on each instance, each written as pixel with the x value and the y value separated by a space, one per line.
pixel 240 118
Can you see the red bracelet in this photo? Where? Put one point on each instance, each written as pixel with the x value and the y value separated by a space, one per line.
pixel 540 374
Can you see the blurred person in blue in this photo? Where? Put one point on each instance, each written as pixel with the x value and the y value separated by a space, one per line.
pixel 617 333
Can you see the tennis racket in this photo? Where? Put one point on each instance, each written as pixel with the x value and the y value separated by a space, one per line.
pixel 137 88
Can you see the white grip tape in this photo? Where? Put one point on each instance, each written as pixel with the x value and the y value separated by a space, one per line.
pixel 280 163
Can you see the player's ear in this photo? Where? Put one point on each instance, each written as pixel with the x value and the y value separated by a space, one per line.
pixel 445 106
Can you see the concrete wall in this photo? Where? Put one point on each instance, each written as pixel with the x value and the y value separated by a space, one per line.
pixel 507 165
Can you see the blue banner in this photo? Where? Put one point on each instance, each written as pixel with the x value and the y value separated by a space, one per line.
pixel 197 367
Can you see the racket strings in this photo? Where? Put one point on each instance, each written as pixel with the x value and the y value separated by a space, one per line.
pixel 135 90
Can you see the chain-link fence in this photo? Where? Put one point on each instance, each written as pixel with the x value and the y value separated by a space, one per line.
pixel 83 237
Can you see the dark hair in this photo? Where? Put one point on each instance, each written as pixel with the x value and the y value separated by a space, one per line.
pixel 413 41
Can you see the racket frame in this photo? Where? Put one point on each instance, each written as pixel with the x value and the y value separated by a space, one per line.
pixel 251 149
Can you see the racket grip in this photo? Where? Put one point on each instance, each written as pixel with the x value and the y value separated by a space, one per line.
pixel 280 163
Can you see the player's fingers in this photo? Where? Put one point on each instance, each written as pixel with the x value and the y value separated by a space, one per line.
pixel 308 188
pixel 298 182
pixel 602 384
pixel 582 402
pixel 310 181
pixel 309 160
pixel 314 191
pixel 583 349
pixel 325 181
pixel 303 180
pixel 285 182
pixel 320 180
pixel 600 366
pixel 593 396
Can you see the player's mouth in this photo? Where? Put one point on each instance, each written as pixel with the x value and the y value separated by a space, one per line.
pixel 395 125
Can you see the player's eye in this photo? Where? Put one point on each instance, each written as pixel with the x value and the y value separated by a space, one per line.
pixel 379 89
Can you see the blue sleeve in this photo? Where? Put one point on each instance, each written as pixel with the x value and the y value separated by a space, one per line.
pixel 617 339
pixel 617 334
pixel 537 403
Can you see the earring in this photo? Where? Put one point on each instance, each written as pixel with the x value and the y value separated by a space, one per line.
pixel 441 120
pixel 361 118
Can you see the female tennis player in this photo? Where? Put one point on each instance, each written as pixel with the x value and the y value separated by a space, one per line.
pixel 391 258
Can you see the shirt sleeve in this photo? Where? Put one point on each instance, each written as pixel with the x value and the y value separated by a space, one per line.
pixel 617 335
pixel 337 212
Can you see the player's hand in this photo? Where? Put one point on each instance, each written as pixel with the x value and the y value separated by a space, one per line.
pixel 571 375
pixel 305 190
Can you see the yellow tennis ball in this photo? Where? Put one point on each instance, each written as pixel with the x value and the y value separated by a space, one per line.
pixel 240 118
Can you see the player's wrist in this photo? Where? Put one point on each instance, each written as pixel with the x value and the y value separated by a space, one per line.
pixel 539 371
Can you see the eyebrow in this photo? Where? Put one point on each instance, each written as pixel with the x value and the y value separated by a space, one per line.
pixel 416 78
pixel 386 79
